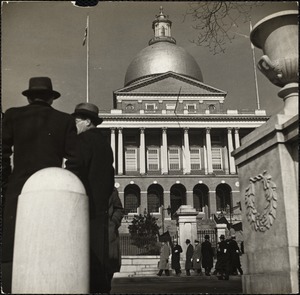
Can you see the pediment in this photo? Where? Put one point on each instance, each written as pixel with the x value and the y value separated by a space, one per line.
pixel 170 83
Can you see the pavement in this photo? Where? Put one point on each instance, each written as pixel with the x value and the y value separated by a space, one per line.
pixel 176 285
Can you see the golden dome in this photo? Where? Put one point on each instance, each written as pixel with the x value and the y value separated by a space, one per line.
pixel 162 55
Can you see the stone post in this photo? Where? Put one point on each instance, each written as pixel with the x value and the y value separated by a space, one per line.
pixel 187 221
pixel 51 251
pixel 221 230
pixel 267 162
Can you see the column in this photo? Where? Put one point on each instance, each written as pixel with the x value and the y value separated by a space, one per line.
pixel 236 138
pixel 212 202
pixel 226 162
pixel 142 151
pixel 120 152
pixel 187 151
pixel 205 159
pixel 164 152
pixel 232 169
pixel 208 148
pixel 113 144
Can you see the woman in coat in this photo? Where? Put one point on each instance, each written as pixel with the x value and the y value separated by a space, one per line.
pixel 189 257
pixel 175 262
pixel 164 259
pixel 207 255
pixel 197 256
pixel 115 214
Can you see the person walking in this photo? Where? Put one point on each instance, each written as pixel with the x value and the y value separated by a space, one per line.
pixel 189 257
pixel 207 255
pixel 37 136
pixel 234 255
pixel 115 214
pixel 175 260
pixel 164 259
pixel 222 266
pixel 197 257
pixel 95 162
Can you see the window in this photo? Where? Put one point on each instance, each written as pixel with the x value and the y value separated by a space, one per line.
pixel 217 158
pixel 131 159
pixel 170 108
pixel 150 107
pixel 174 158
pixel 131 203
pixel 195 158
pixel 212 108
pixel 191 108
pixel 153 159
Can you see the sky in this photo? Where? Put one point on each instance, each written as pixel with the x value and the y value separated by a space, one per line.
pixel 44 38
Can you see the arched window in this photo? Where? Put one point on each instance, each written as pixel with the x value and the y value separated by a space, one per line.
pixel 154 198
pixel 131 198
pixel 177 197
pixel 224 199
pixel 200 196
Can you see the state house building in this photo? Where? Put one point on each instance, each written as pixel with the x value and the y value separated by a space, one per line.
pixel 171 136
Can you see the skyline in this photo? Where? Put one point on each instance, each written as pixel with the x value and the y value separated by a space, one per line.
pixel 45 39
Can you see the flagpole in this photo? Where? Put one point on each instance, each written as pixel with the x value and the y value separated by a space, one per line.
pixel 255 73
pixel 87 58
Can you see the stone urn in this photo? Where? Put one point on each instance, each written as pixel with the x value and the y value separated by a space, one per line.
pixel 277 36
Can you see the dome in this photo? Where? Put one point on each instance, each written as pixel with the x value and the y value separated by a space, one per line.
pixel 162 57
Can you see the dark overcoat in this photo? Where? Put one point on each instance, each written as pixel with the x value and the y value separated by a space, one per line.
pixel 197 256
pixel 207 254
pixel 95 161
pixel 115 214
pixel 175 261
pixel 39 137
pixel 189 257
pixel 223 261
pixel 234 254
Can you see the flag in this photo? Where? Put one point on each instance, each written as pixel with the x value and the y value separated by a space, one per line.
pixel 85 36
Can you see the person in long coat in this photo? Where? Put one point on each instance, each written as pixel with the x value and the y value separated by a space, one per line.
pixel 207 255
pixel 164 259
pixel 189 257
pixel 222 266
pixel 175 261
pixel 115 214
pixel 234 255
pixel 95 161
pixel 197 257
pixel 38 136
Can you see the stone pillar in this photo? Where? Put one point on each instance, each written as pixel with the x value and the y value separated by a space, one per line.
pixel 120 152
pixel 232 169
pixel 226 162
pixel 208 149
pixel 51 252
pixel 113 144
pixel 212 202
pixel 205 160
pixel 164 152
pixel 186 216
pixel 190 198
pixel 142 151
pixel 144 204
pixel 187 151
pixel 236 138
pixel 221 230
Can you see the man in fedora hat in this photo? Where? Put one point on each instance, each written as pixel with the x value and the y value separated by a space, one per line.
pixel 38 136
pixel 207 255
pixel 197 258
pixel 189 257
pixel 95 160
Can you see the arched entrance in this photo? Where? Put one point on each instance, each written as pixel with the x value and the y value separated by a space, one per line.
pixel 155 195
pixel 200 197
pixel 132 198
pixel 224 198
pixel 177 197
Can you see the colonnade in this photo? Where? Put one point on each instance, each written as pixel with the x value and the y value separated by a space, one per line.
pixel 229 164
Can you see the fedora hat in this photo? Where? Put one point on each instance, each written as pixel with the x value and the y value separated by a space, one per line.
pixel 88 110
pixel 41 87
pixel 222 236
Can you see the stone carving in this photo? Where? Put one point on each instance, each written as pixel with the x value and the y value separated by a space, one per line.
pixel 261 221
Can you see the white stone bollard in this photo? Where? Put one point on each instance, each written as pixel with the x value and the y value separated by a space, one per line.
pixel 51 251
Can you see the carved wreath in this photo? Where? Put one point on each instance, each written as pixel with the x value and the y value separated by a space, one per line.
pixel 261 221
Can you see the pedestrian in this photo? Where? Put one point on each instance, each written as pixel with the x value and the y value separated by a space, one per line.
pixel 189 257
pixel 115 214
pixel 164 259
pixel 36 136
pixel 175 262
pixel 234 254
pixel 207 255
pixel 197 257
pixel 222 266
pixel 95 161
